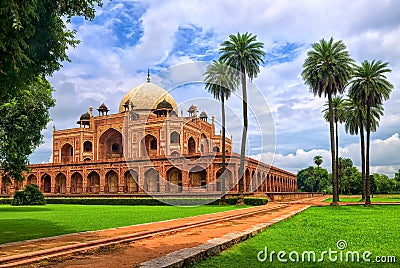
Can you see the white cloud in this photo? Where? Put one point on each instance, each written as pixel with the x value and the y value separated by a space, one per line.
pixel 384 156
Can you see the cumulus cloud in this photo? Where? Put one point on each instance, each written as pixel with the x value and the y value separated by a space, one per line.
pixel 384 156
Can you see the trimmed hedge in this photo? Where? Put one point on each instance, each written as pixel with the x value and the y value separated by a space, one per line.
pixel 153 202
pixel 6 201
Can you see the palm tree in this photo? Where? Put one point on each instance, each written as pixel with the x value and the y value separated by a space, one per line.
pixel 371 87
pixel 220 80
pixel 318 161
pixel 338 110
pixel 243 53
pixel 355 122
pixel 326 70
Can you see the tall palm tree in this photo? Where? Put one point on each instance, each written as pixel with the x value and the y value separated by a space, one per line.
pixel 355 122
pixel 220 80
pixel 318 161
pixel 338 110
pixel 244 53
pixel 371 87
pixel 326 70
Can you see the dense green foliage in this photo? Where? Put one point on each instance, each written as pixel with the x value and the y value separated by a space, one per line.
pixel 34 39
pixel 21 223
pixel 314 179
pixel 31 195
pixel 317 229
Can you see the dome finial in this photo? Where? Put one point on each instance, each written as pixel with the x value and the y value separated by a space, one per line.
pixel 148 75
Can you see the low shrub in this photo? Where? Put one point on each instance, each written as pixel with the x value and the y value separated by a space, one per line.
pixel 31 195
pixel 5 201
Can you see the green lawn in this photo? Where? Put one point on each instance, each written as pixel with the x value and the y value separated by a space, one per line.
pixel 375 229
pixel 22 223
pixel 376 198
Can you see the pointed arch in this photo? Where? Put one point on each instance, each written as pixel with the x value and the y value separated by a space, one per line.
pixel 149 146
pixel 204 144
pixel 45 183
pixel 111 182
pixel 110 144
pixel 174 137
pixel 67 153
pixel 87 147
pixel 152 180
pixel 191 146
pixel 76 183
pixel 31 179
pixel 61 183
pixel 229 183
pixel 131 181
pixel 198 177
pixel 174 178
pixel 93 183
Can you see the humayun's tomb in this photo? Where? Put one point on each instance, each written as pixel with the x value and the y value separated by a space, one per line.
pixel 148 147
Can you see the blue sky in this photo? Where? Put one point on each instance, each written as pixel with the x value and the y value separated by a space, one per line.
pixel 128 37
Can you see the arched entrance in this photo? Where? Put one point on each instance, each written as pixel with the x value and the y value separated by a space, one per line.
pixel 76 183
pixel 93 182
pixel 45 183
pixel 204 143
pixel 191 146
pixel 131 179
pixel 31 179
pixel 110 145
pixel 67 153
pixel 247 180
pixel 111 182
pixel 61 184
pixel 152 180
pixel 149 145
pixel 174 178
pixel 229 183
pixel 198 177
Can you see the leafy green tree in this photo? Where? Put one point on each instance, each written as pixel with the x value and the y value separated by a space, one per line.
pixel 34 39
pixel 220 80
pixel 244 53
pixel 384 185
pixel 370 87
pixel 307 180
pixel 326 70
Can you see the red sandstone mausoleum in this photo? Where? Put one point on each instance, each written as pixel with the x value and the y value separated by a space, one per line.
pixel 146 148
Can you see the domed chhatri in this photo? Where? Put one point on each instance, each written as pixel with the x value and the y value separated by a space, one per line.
pixel 84 120
pixel 146 97
pixel 164 105
pixel 85 116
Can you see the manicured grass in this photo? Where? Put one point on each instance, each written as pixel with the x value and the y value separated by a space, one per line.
pixel 22 223
pixel 376 198
pixel 375 229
